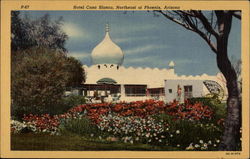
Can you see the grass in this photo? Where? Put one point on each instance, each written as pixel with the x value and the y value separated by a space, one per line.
pixel 69 142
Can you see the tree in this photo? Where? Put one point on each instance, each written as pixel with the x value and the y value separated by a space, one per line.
pixel 237 64
pixel 40 69
pixel 27 33
pixel 214 27
pixel 39 79
pixel 77 75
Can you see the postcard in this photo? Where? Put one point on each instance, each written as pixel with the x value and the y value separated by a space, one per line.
pixel 124 79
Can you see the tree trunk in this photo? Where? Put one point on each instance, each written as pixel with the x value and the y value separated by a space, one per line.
pixel 230 137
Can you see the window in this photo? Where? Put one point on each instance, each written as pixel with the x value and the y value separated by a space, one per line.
pixel 156 91
pixel 135 90
pixel 170 90
pixel 188 92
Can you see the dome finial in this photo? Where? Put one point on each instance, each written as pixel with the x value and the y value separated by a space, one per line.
pixel 107 27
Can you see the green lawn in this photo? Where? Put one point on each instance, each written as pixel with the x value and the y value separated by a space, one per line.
pixel 31 141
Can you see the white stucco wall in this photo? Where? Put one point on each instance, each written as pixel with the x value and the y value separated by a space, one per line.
pixel 197 88
pixel 153 78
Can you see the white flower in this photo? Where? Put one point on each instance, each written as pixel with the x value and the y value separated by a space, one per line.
pixel 171 135
pixel 160 140
pixel 209 142
pixel 190 147
pixel 215 145
pixel 196 145
pixel 203 148
pixel 178 145
pixel 177 131
pixel 91 135
pixel 217 141
pixel 201 141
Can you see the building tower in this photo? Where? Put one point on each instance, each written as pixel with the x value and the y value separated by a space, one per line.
pixel 107 53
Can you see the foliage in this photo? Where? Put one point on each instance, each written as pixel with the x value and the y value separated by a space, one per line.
pixel 188 111
pixel 40 69
pixel 179 133
pixel 167 127
pixel 206 100
pixel 82 126
pixel 39 78
pixel 17 126
pixel 214 28
pixel 77 75
pixel 186 132
pixel 43 123
pixel 27 33
pixel 71 101
pixel 216 105
pixel 132 129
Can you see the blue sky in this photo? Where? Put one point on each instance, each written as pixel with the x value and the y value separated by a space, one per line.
pixel 146 40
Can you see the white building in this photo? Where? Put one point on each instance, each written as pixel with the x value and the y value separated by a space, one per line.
pixel 107 78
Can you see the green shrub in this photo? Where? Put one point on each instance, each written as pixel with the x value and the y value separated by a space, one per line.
pixel 193 132
pixel 185 132
pixel 163 117
pixel 72 101
pixel 39 77
pixel 205 100
pixel 213 102
pixel 81 126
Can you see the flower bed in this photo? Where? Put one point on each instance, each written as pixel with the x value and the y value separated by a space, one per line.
pixel 134 129
pixel 146 108
pixel 181 125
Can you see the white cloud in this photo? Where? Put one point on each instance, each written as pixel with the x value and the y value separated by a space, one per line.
pixel 133 28
pixel 74 31
pixel 148 61
pixel 144 49
pixel 136 28
pixel 139 60
pixel 130 39
pixel 185 61
pixel 79 55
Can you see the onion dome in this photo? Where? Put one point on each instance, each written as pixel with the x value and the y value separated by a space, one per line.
pixel 107 52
